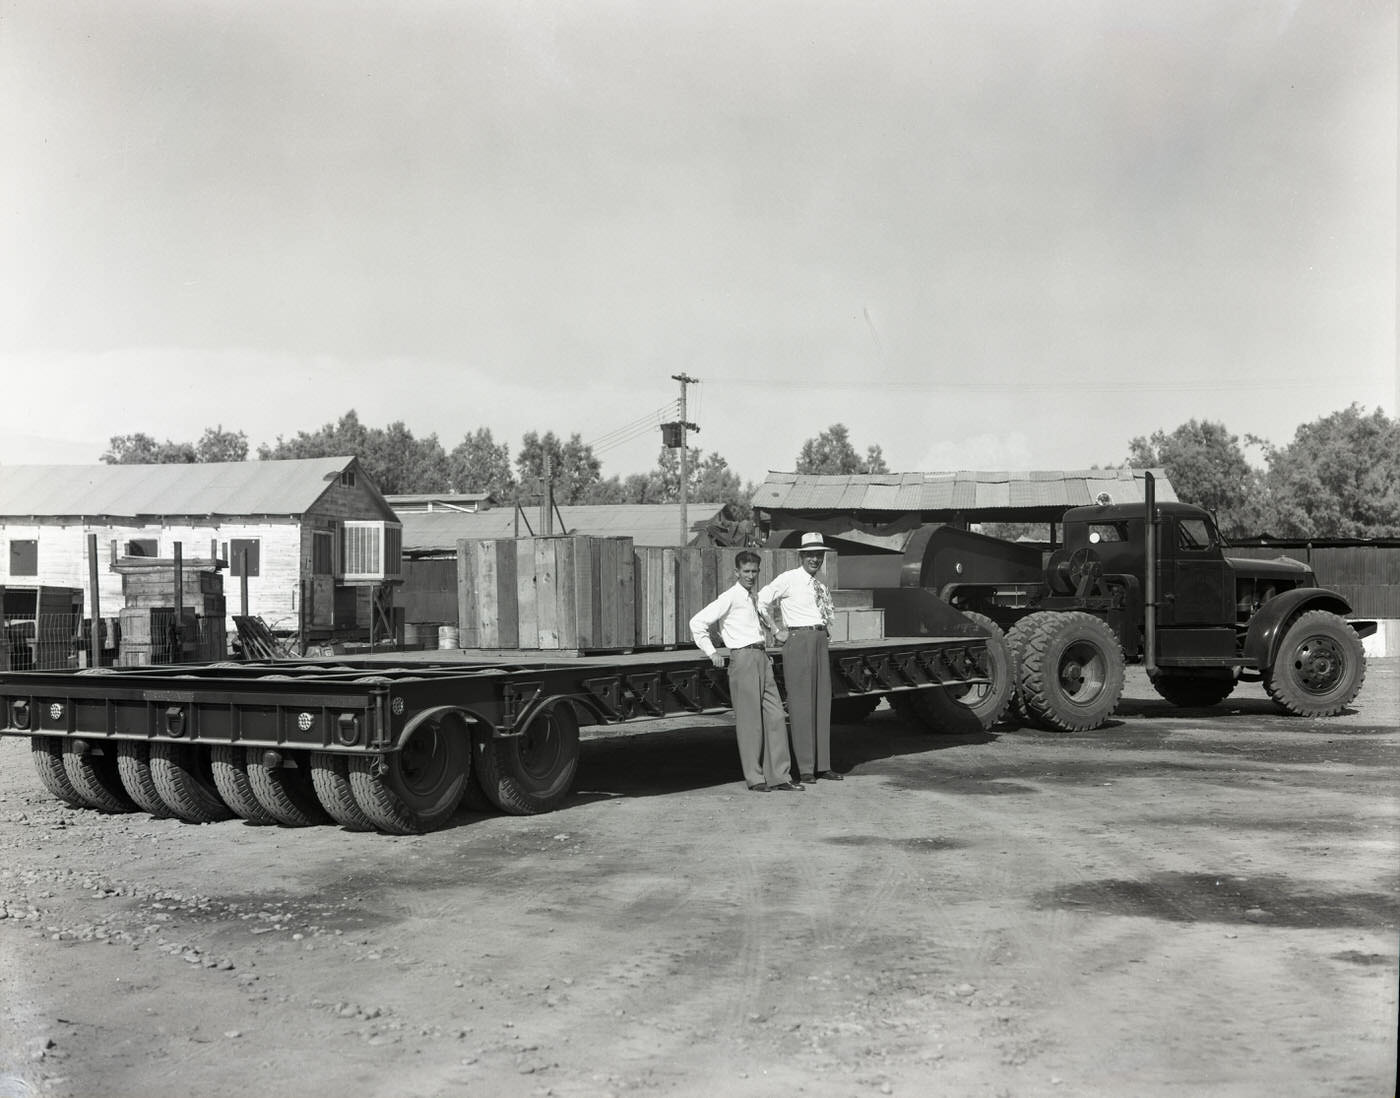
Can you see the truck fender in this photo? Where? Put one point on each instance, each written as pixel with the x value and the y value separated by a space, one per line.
pixel 1267 626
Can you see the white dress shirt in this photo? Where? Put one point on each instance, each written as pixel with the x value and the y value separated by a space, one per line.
pixel 737 617
pixel 795 593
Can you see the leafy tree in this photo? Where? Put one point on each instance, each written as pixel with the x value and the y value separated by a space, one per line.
pixel 1205 464
pixel 216 444
pixel 142 449
pixel 573 467
pixel 394 459
pixel 478 464
pixel 831 452
pixel 1339 477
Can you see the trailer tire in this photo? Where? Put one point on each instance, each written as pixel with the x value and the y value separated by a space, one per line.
pixel 47 753
pixel 330 777
pixel 1319 667
pixel 988 704
pixel 853 708
pixel 92 771
pixel 134 767
pixel 228 767
pixel 286 792
pixel 532 773
pixel 1195 689
pixel 184 780
pixel 419 786
pixel 1071 672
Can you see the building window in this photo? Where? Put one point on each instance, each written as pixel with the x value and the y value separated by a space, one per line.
pixel 241 551
pixel 24 558
pixel 347 478
pixel 142 547
pixel 322 553
pixel 370 550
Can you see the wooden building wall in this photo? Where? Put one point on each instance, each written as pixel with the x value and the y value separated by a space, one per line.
pixel 273 594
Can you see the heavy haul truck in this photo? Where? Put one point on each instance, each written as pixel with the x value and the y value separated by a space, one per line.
pixel 1149 582
pixel 392 746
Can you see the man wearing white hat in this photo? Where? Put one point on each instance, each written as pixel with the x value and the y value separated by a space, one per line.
pixel 807 613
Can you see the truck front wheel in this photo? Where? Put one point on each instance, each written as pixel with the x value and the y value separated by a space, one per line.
pixel 1319 667
pixel 1071 671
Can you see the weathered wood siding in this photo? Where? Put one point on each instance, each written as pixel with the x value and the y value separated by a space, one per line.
pixel 273 595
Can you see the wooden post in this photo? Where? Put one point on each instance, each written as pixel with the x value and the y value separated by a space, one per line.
pixel 177 656
pixel 95 632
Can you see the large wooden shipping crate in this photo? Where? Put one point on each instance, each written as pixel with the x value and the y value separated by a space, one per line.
pixel 546 593
pixel 149 583
pixel 673 585
pixel 596 594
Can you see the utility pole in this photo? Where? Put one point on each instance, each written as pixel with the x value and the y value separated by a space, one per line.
pixel 679 435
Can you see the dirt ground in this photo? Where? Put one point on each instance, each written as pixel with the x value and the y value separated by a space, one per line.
pixel 1176 904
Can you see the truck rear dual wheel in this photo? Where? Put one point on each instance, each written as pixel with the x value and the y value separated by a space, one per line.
pixel 531 773
pixel 1070 671
pixel 230 773
pixel 92 772
pixel 134 766
pixel 1319 667
pixel 183 776
pixel 958 710
pixel 330 776
pixel 418 787
pixel 47 755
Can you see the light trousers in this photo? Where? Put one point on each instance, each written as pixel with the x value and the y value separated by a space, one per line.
pixel 760 724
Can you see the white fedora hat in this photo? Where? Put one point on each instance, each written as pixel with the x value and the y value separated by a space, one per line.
pixel 812 543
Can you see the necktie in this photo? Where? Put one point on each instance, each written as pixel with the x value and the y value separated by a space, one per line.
pixel 762 628
pixel 824 603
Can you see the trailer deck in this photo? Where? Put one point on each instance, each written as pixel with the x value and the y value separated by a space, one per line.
pixel 392 741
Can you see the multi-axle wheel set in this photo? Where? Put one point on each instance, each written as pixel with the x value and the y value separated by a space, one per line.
pixel 414 789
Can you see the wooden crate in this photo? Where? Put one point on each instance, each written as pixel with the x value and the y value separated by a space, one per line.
pixel 673 585
pixel 545 593
pixel 144 626
pixel 143 655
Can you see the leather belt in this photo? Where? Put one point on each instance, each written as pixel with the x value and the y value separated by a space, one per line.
pixel 794 628
pixel 757 644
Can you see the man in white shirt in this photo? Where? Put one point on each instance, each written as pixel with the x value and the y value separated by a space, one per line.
pixel 760 724
pixel 805 606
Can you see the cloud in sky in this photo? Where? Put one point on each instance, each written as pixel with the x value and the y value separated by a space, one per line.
pixel 937 223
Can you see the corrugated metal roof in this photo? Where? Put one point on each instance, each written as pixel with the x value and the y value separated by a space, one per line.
pixel 204 488
pixel 644 523
pixel 961 490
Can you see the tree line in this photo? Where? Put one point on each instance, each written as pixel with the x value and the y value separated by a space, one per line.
pixel 1338 477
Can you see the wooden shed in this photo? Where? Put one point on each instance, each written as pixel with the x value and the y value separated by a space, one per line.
pixel 313 540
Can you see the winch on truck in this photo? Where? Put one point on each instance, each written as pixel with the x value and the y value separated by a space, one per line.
pixel 1150 582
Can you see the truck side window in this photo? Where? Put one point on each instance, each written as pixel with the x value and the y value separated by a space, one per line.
pixel 1193 535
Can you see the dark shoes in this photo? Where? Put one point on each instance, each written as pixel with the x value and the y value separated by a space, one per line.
pixel 761 787
pixel 787 786
pixel 824 775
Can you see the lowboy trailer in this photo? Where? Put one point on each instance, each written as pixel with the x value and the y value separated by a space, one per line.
pixel 395 743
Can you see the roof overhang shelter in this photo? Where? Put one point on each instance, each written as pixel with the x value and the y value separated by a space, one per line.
pixel 878 509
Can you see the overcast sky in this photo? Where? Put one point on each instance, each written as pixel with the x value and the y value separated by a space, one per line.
pixel 980 233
